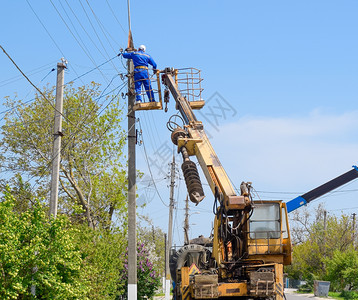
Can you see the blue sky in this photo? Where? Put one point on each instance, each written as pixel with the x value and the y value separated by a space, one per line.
pixel 288 69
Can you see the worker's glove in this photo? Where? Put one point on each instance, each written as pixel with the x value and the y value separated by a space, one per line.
pixel 154 71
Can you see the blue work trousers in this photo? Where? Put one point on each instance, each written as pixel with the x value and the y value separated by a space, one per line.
pixel 142 77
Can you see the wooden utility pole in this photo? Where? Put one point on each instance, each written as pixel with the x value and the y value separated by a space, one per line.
pixel 56 153
pixel 170 229
pixel 132 222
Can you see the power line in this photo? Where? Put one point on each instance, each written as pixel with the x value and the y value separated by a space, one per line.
pixel 89 20
pixel 116 17
pixel 347 208
pixel 42 94
pixel 19 77
pixel 26 123
pixel 48 33
pixel 72 136
pixel 72 80
pixel 103 29
pixel 150 171
pixel 74 27
pixel 82 47
pixel 53 40
pixel 84 29
pixel 88 35
pixel 95 68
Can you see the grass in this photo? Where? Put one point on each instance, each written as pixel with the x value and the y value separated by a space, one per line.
pixel 162 294
pixel 335 295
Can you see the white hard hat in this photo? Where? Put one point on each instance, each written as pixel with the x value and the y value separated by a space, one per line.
pixel 142 47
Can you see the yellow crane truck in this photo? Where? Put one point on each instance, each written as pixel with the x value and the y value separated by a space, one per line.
pixel 251 240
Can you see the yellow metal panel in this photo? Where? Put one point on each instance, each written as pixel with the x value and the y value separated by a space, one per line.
pixel 197 104
pixel 159 87
pixel 209 160
pixel 186 294
pixel 287 241
pixel 184 276
pixel 216 242
pixel 189 144
pixel 279 282
pixel 268 259
pixel 185 287
pixel 232 289
pixel 264 246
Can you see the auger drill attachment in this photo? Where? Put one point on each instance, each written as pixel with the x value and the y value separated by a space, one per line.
pixel 192 179
pixel 190 171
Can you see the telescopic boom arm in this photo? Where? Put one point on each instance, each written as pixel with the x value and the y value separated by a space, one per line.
pixel 323 189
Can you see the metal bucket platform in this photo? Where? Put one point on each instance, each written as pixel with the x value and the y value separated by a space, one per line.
pixel 148 106
pixel 197 104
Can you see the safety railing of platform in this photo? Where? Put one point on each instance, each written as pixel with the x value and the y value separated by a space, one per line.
pixel 189 81
pixel 155 87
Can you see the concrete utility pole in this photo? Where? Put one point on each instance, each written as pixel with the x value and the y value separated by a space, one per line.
pixel 170 229
pixel 56 153
pixel 132 222
pixel 186 221
pixel 165 263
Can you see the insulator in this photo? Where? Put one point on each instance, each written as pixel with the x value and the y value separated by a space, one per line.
pixel 192 180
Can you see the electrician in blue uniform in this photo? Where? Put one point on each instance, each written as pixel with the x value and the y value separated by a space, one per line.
pixel 141 74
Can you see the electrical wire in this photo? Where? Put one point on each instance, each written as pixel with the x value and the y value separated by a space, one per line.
pixel 149 168
pixel 93 28
pixel 86 32
pixel 48 33
pixel 46 168
pixel 42 94
pixel 115 17
pixel 103 29
pixel 95 68
pixel 71 81
pixel 84 29
pixel 53 40
pixel 82 47
pixel 16 106
pixel 19 77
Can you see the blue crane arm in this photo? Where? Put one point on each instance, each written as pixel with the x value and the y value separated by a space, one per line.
pixel 322 189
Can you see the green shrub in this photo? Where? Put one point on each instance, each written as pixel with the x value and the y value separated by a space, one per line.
pixel 349 295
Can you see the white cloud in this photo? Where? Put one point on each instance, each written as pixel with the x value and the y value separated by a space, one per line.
pixel 291 152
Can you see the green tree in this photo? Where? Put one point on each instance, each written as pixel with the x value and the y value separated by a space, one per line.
pixel 103 254
pixel 36 252
pixel 317 240
pixel 153 238
pixel 92 179
pixel 342 269
pixel 148 278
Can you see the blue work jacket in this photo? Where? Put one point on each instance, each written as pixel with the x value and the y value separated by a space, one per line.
pixel 140 59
